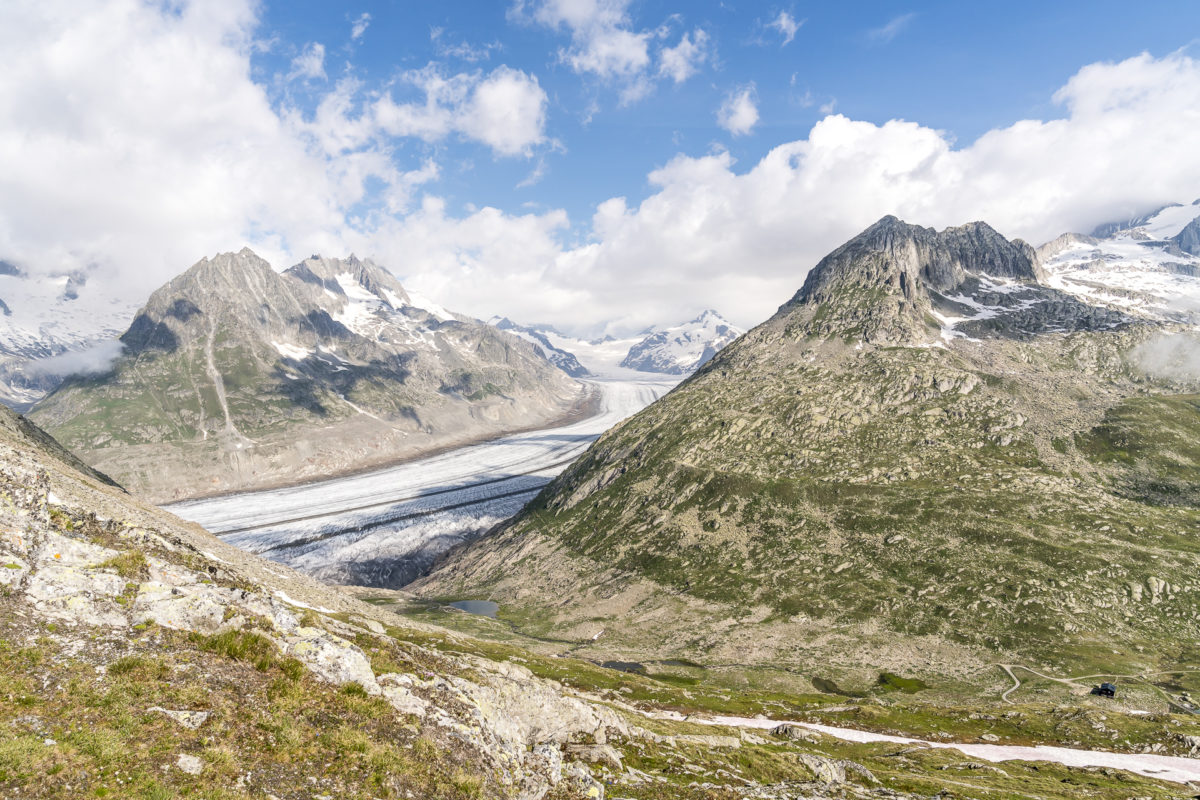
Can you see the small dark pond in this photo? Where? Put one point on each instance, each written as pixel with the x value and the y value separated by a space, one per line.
pixel 625 666
pixel 485 608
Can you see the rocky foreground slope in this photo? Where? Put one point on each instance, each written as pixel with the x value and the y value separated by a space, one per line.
pixel 142 658
pixel 235 376
pixel 927 463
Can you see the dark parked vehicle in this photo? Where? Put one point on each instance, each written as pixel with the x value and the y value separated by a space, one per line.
pixel 1105 690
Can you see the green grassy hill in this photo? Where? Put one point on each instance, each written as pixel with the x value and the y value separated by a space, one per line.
pixel 841 507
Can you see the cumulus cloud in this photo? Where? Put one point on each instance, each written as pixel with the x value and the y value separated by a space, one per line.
pixel 712 232
pixel 787 25
pixel 505 109
pixel 684 59
pixel 310 64
pixel 738 114
pixel 893 28
pixel 135 140
pixel 602 41
pixel 606 45
pixel 359 26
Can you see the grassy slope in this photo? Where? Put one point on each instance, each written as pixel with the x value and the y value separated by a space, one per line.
pixel 854 497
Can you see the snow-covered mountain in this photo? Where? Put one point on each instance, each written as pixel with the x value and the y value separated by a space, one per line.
pixel 681 349
pixel 563 359
pixel 1148 266
pixel 676 350
pixel 51 326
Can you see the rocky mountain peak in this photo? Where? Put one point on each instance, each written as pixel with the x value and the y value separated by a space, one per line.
pixel 217 276
pixel 338 275
pixel 896 256
pixel 882 285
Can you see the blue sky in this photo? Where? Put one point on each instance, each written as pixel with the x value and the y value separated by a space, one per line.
pixel 963 68
pixel 602 165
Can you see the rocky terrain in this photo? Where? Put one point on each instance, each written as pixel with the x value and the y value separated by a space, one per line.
pixel 234 376
pixel 682 349
pixel 142 658
pixel 926 464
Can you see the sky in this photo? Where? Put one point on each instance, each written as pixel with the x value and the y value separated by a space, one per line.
pixel 597 165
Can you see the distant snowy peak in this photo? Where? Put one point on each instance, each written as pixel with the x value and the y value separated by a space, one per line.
pixel 1148 266
pixel 682 349
pixel 46 318
pixel 556 355
pixel 1162 223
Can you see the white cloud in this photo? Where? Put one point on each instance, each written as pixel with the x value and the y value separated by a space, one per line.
pixel 507 112
pixel 359 27
pixel 505 109
pixel 463 51
pixel 95 358
pixel 892 29
pixel 605 44
pixel 133 138
pixel 310 64
pixel 787 25
pixel 684 59
pixel 738 114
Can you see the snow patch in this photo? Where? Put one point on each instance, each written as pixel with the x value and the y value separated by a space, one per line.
pixel 282 595
pixel 417 300
pixel 291 351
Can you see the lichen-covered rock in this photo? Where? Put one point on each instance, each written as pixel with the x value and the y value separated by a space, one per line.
pixel 596 754
pixel 524 711
pixel 332 658
pixel 825 770
pixel 397 690
pixel 66 585
pixel 12 570
pixel 191 720
pixel 185 608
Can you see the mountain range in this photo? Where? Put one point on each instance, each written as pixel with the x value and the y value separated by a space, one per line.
pixel 934 469
pixel 235 376
pixel 929 461
pixel 672 350
pixel 682 349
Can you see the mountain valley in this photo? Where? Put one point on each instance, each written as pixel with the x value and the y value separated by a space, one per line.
pixel 141 657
